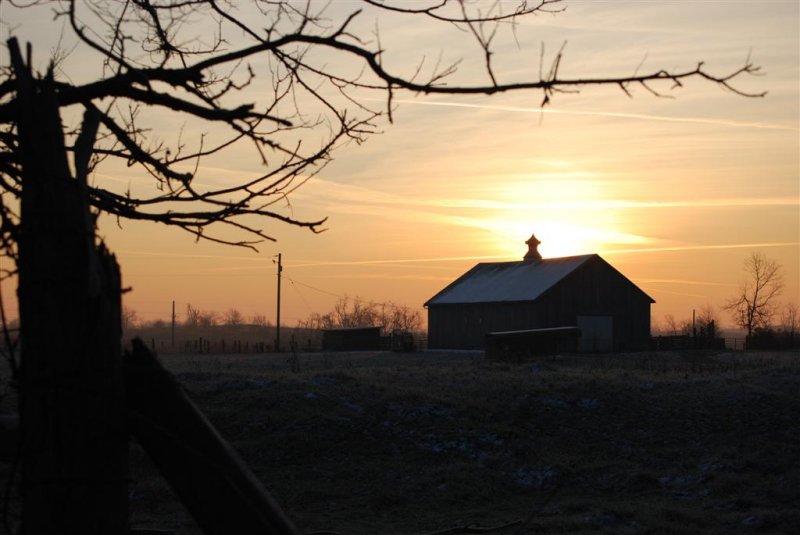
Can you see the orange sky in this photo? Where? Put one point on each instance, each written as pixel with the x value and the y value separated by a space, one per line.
pixel 674 192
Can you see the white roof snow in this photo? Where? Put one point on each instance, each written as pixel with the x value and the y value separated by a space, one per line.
pixel 494 282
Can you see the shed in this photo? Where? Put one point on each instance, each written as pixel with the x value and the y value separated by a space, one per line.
pixel 351 339
pixel 611 312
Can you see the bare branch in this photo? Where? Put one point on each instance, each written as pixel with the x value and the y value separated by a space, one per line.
pixel 307 109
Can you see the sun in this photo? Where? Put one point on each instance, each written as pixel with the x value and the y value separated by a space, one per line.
pixel 558 238
pixel 571 210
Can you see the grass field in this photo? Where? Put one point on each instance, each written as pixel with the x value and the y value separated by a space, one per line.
pixel 424 442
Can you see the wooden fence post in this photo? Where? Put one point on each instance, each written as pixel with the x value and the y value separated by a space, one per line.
pixel 72 424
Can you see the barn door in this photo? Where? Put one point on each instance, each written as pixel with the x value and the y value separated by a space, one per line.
pixel 597 334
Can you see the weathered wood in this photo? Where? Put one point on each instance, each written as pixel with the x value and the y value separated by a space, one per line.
pixel 516 345
pixel 212 481
pixel 72 427
pixel 9 437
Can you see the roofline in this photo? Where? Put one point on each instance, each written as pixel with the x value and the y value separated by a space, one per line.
pixel 427 303
pixel 627 279
pixel 607 263
pixel 588 257
pixel 470 270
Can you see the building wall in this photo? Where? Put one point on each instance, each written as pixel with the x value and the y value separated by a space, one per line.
pixel 355 339
pixel 594 289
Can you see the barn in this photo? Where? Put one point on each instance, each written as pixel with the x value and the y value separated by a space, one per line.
pixel 611 312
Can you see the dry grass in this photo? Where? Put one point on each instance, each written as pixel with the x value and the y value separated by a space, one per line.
pixel 415 443
pixel 395 443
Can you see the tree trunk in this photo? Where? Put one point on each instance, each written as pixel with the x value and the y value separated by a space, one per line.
pixel 72 424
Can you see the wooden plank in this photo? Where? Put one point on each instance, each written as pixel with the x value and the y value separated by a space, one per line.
pixel 209 477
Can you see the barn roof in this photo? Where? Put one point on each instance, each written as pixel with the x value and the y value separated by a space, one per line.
pixel 494 282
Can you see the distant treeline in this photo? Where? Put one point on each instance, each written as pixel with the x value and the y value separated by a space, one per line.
pixel 231 332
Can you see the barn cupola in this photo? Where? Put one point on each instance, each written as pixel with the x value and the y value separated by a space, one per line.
pixel 533 249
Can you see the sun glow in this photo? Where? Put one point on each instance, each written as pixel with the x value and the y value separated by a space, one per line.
pixel 559 238
pixel 569 213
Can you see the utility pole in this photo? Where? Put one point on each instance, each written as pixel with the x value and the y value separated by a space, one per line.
pixel 173 324
pixel 278 320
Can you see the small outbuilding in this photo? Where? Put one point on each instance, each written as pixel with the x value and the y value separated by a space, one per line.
pixel 351 339
pixel 586 292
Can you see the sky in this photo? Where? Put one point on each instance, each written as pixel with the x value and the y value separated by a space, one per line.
pixel 674 192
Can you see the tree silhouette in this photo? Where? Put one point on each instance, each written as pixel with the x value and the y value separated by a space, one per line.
pixel 293 80
pixel 755 304
pixel 316 83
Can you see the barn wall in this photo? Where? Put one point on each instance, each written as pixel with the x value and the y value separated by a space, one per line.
pixel 595 288
pixel 465 326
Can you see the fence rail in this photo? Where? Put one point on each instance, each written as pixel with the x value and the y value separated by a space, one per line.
pixel 310 344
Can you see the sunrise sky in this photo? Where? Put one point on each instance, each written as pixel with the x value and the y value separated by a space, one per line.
pixel 674 192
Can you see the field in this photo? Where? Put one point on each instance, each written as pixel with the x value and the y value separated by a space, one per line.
pixel 425 442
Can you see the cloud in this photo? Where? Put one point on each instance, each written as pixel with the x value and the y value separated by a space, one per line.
pixel 617 115
pixel 681 282
pixel 350 198
pixel 699 247
pixel 605 204
pixel 388 262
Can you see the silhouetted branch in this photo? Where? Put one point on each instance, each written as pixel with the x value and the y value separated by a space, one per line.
pixel 312 106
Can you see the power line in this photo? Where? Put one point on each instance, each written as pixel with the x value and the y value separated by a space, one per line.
pixel 313 287
pixel 340 296
pixel 302 298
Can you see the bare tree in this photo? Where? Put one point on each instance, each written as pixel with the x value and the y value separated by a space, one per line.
pixel 755 304
pixel 259 320
pixel 130 318
pixel 676 327
pixel 232 317
pixel 356 312
pixel 306 109
pixel 707 321
pixel 192 316
pixel 294 80
pixel 400 318
pixel 790 321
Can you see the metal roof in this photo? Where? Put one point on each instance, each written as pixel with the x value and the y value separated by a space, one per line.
pixel 494 282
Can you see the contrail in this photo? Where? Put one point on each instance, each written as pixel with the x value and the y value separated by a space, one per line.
pixel 678 293
pixel 183 255
pixel 700 247
pixel 401 261
pixel 325 263
pixel 640 116
pixel 681 282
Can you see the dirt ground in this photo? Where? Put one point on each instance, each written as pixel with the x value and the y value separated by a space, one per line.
pixel 424 442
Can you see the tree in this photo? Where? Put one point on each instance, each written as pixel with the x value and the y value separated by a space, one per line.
pixel 356 312
pixel 401 318
pixel 130 318
pixel 755 304
pixel 291 79
pixel 232 317
pixel 192 316
pixel 676 327
pixel 259 320
pixel 200 318
pixel 790 322
pixel 707 322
